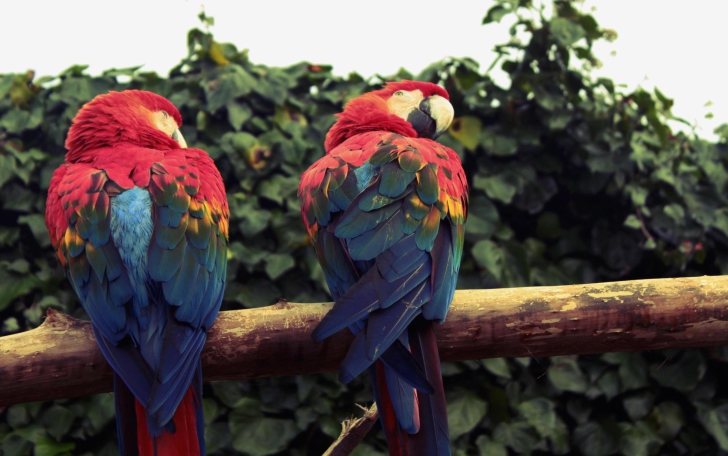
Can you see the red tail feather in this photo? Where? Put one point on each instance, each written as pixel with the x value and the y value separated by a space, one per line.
pixel 396 437
pixel 183 442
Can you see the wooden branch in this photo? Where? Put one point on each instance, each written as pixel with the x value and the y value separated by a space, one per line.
pixel 353 431
pixel 60 359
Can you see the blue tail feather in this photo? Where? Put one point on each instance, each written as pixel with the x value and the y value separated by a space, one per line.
pixel 404 399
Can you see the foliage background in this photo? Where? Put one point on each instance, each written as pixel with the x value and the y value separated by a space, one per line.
pixel 572 182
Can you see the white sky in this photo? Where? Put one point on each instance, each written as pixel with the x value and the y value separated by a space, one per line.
pixel 676 48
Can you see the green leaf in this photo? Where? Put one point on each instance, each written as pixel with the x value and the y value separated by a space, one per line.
pixel 594 440
pixel 15 121
pixel 217 435
pixel 237 143
pixel 639 405
pixel 45 446
pixel 277 264
pixel 255 222
pixel 36 223
pixel 632 369
pixel 609 384
pixel 495 14
pixel 541 414
pixel 232 82
pixel 12 287
pixel 74 70
pixel 639 439
pixel 483 218
pixel 497 366
pixel 489 255
pixel 497 144
pixel 565 31
pixel 464 412
pixel 551 101
pixel 667 418
pixel 632 222
pixel 467 131
pixel 17 416
pixel 10 326
pixel 100 411
pixel 229 393
pixel 637 193
pixel 488 447
pixel 262 436
pixel 13 444
pixel 238 114
pixel 682 373
pixel 675 212
pixel 57 420
pixel 565 374
pixel 279 187
pixel 715 421
pixel 641 154
pixel 518 435
pixel 497 187
pixel 8 169
pixel 128 71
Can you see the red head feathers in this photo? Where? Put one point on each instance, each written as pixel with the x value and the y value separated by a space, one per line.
pixel 119 117
pixel 370 112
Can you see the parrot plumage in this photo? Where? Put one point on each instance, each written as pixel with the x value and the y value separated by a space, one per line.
pixel 140 224
pixel 385 209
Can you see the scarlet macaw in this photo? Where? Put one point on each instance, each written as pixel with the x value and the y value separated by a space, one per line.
pixel 385 209
pixel 140 224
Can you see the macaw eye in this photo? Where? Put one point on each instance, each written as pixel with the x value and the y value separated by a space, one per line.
pixel 164 113
pixel 398 93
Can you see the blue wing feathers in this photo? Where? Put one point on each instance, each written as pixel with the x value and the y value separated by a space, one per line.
pixel 385 326
pixel 389 254
pixel 155 289
pixel 398 358
pixel 123 357
pixel 391 292
pixel 371 243
pixel 354 305
pixel 177 289
pixel 163 263
pixel 335 262
pixel 444 277
pixel 355 360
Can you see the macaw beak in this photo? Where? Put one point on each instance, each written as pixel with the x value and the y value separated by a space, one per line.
pixel 432 118
pixel 177 136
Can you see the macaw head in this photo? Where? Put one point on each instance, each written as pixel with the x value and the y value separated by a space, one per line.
pixel 410 108
pixel 134 117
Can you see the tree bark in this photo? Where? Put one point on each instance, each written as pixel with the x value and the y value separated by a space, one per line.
pixel 60 358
